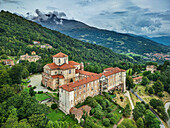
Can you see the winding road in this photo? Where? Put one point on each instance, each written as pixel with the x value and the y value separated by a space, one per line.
pixel 161 125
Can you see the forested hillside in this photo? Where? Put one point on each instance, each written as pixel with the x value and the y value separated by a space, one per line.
pixel 118 42
pixel 17 33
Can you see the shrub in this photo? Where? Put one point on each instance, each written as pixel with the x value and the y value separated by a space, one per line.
pixel 151 90
pixel 103 104
pixel 91 102
pixel 147 106
pixel 160 94
pixel 127 111
pixel 109 109
pixel 34 87
pixel 109 115
pixel 145 80
pixel 92 111
pixel 40 92
pixel 98 114
pixel 106 122
pixel 98 107
pixel 113 120
pixel 54 106
pixel 107 102
pixel 42 84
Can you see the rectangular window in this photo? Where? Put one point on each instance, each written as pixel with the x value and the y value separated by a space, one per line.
pixel 75 89
pixel 79 87
pixel 69 71
pixel 75 95
pixel 84 85
pixel 84 91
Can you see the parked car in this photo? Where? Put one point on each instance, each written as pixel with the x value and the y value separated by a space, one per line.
pixel 29 81
pixel 29 85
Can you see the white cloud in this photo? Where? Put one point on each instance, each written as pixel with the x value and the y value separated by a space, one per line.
pixel 145 17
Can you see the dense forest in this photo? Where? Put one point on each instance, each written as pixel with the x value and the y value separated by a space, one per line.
pixel 17 34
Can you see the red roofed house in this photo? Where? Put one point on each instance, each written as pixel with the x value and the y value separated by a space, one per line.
pixel 8 62
pixel 61 71
pixel 79 112
pixel 137 80
pixel 151 68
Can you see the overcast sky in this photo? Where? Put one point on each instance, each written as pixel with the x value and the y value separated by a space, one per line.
pixel 141 17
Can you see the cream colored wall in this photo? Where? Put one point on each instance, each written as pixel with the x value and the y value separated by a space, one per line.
pixel 90 89
pixel 66 100
pixel 56 60
pixel 66 74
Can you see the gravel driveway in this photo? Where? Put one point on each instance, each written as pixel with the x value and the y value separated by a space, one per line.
pixel 36 81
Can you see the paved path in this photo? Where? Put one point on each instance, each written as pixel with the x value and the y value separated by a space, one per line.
pixel 128 95
pixel 167 105
pixel 161 125
pixel 36 81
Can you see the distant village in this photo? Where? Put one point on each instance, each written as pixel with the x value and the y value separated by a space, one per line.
pixel 48 46
pixel 157 56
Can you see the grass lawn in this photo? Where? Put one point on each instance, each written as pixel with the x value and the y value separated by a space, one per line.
pixel 26 89
pixel 118 100
pixel 53 115
pixel 147 97
pixel 55 95
pixel 41 97
pixel 113 106
pixel 70 121
pixel 134 98
pixel 24 82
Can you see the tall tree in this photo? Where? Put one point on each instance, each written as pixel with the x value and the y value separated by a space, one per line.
pixel 145 80
pixel 31 92
pixel 5 92
pixel 4 77
pixel 129 82
pixel 150 120
pixel 158 87
pixel 140 123
pixel 127 111
pixel 16 74
pixel 139 110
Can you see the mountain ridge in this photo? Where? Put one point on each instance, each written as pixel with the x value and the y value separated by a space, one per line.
pixel 17 35
pixel 118 42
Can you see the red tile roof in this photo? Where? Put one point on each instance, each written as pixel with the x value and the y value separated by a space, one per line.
pixel 111 68
pixel 70 86
pixel 85 72
pixel 79 112
pixel 76 112
pixel 8 60
pixel 137 78
pixel 73 63
pixel 62 67
pixel 85 108
pixel 60 55
pixel 112 71
pixel 58 76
